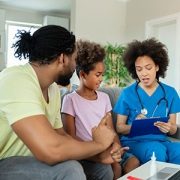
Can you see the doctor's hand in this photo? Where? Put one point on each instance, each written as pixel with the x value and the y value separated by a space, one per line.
pixel 163 127
pixel 140 116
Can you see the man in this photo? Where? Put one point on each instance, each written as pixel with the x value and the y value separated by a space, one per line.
pixel 33 144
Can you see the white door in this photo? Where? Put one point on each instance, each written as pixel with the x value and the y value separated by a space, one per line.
pixel 167 30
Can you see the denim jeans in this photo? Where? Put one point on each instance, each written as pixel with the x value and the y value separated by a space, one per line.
pixel 97 171
pixel 28 168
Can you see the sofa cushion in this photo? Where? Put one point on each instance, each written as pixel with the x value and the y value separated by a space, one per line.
pixel 113 93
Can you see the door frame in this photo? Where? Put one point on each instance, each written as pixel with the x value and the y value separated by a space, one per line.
pixel 149 31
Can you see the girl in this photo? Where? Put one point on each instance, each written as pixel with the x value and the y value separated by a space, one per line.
pixel 83 110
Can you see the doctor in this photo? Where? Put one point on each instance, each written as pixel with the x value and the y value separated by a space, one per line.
pixel 147 61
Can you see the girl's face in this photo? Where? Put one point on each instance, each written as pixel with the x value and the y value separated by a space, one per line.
pixel 146 70
pixel 93 79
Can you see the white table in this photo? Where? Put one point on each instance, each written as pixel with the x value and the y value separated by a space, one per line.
pixel 143 172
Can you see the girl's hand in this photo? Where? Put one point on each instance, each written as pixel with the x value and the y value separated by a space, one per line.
pixel 117 151
pixel 163 127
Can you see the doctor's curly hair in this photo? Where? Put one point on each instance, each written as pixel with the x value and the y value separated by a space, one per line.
pixel 152 48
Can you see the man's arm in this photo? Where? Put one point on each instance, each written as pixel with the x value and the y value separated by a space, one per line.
pixel 51 147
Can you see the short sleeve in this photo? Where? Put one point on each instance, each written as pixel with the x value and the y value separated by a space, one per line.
pixel 121 106
pixel 67 105
pixel 20 97
pixel 108 104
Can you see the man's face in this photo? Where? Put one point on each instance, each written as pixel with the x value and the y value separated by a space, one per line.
pixel 69 68
pixel 64 79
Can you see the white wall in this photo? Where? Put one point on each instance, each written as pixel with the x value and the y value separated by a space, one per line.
pixel 21 15
pixel 101 21
pixel 140 11
pixel 60 21
pixel 2 30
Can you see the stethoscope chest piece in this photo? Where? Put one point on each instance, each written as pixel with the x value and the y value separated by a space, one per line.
pixel 144 111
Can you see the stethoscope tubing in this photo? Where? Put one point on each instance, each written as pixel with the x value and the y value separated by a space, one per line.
pixel 161 99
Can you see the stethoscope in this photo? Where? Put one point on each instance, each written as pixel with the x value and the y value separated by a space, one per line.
pixel 144 111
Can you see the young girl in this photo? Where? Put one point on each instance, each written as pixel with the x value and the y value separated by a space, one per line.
pixel 147 61
pixel 83 110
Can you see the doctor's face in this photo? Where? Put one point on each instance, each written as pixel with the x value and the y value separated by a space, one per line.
pixel 146 70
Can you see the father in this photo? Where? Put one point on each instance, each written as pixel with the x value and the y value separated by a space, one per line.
pixel 33 144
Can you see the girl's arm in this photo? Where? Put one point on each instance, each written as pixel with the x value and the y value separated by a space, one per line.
pixel 69 125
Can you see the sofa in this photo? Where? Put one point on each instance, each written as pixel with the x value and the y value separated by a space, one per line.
pixel 113 93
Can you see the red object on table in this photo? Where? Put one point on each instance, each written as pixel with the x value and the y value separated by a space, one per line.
pixel 133 178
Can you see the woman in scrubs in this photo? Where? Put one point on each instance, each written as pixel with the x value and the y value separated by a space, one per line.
pixel 147 97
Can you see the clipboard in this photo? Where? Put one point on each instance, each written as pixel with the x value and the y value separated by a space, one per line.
pixel 146 126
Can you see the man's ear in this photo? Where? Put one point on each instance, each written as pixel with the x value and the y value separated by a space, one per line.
pixel 61 58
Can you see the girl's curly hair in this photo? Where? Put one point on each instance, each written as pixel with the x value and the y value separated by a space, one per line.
pixel 88 54
pixel 151 48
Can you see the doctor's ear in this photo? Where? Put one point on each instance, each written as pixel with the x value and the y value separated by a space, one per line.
pixel 157 68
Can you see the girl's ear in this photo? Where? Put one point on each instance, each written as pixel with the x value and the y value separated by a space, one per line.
pixel 82 74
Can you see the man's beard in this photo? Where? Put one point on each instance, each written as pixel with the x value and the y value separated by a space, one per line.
pixel 64 80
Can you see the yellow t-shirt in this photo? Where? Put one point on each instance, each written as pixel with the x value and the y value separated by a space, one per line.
pixel 20 97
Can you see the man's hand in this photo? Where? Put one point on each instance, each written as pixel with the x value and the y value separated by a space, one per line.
pixel 103 134
pixel 105 157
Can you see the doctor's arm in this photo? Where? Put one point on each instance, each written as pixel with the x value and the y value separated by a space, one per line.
pixel 121 126
pixel 170 127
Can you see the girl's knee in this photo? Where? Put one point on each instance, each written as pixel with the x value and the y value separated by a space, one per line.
pixel 132 163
